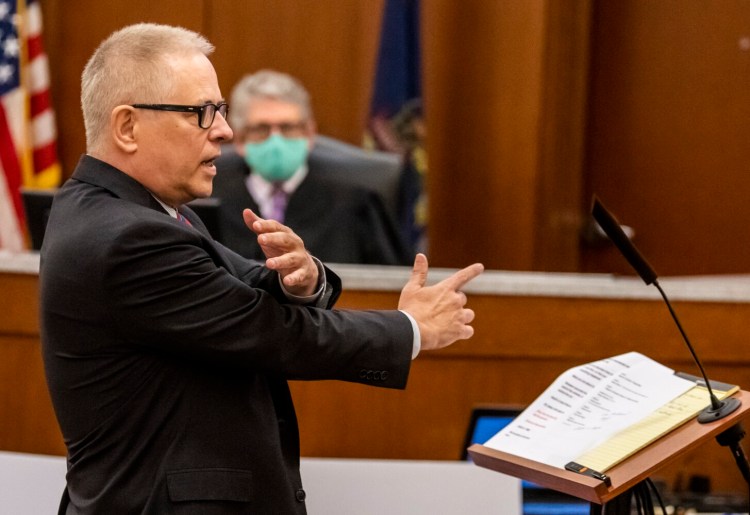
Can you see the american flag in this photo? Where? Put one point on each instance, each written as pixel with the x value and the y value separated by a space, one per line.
pixel 28 137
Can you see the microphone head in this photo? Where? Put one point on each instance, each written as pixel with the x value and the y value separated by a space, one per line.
pixel 612 229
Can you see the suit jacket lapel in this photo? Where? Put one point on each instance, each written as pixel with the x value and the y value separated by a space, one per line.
pixel 103 175
pixel 98 173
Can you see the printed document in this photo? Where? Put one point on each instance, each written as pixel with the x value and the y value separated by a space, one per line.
pixel 589 404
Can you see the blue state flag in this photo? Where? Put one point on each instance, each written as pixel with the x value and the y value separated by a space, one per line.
pixel 396 122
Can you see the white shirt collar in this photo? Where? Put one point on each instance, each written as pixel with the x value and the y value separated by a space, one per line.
pixel 172 211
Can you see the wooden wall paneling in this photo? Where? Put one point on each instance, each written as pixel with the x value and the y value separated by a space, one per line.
pixel 330 46
pixel 482 84
pixel 426 421
pixel 505 94
pixel 19 304
pixel 28 422
pixel 577 330
pixel 668 149
pixel 562 136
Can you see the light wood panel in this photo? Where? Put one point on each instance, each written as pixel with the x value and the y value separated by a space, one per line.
pixel 330 46
pixel 668 145
pixel 483 73
pixel 562 130
pixel 27 420
pixel 505 94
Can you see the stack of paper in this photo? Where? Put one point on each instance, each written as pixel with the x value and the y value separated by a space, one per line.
pixel 600 413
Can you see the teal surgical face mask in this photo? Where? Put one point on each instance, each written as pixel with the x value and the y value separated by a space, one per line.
pixel 276 158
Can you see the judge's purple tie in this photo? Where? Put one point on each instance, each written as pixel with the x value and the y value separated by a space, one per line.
pixel 279 199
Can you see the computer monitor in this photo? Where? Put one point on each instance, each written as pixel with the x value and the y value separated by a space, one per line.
pixel 37 205
pixel 484 423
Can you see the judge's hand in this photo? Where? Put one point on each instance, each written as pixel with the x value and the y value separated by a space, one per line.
pixel 285 252
pixel 439 309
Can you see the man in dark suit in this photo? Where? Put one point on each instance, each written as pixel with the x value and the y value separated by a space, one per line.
pixel 274 132
pixel 167 354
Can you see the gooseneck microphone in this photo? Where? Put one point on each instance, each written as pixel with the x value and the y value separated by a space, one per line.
pixel 718 409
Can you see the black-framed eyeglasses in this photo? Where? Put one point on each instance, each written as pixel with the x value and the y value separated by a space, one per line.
pixel 206 112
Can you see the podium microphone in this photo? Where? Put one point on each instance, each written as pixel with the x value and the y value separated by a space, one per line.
pixel 718 409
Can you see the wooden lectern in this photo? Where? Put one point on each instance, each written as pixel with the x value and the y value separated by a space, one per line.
pixel 624 475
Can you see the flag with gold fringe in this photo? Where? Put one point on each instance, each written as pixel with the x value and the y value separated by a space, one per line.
pixel 396 122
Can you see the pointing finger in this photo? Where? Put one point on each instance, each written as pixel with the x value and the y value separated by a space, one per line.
pixel 463 276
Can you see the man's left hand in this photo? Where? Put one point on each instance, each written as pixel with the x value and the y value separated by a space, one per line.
pixel 285 252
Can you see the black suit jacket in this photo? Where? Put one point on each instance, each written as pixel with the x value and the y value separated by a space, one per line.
pixel 339 222
pixel 167 356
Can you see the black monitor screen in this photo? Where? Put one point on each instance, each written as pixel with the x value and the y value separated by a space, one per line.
pixel 37 204
pixel 485 422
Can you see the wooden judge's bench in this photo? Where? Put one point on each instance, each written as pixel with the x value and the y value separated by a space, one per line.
pixel 530 327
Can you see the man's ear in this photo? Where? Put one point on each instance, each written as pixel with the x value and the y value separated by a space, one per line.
pixel 122 125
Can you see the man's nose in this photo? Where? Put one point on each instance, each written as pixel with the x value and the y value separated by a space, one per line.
pixel 220 129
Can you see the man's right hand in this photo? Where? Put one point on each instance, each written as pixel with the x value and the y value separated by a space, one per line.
pixel 285 252
pixel 439 309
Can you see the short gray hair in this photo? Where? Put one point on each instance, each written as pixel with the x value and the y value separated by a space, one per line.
pixel 128 67
pixel 262 85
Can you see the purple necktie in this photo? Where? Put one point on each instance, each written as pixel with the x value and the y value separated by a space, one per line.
pixel 278 203
pixel 184 220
